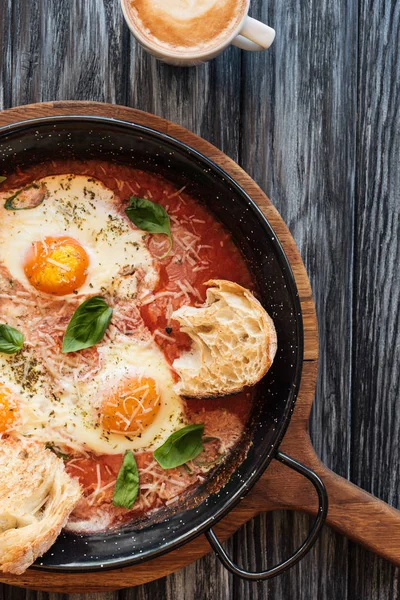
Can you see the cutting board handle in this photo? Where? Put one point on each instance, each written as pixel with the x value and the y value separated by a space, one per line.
pixel 353 512
pixel 362 517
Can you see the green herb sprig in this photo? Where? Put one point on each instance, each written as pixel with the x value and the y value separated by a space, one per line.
pixel 87 325
pixel 27 198
pixel 11 340
pixel 183 445
pixel 150 216
pixel 127 486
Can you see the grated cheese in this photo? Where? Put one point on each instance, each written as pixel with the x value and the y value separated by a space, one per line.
pixel 129 186
pixel 162 335
pixel 192 289
pixel 178 193
pixel 172 500
pixel 99 489
pixel 183 288
pixel 153 297
pixel 120 184
pixel 58 264
pixel 72 462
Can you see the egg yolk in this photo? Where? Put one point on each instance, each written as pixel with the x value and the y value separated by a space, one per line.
pixel 8 409
pixel 132 407
pixel 57 266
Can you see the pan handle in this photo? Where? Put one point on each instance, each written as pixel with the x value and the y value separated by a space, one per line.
pixel 304 548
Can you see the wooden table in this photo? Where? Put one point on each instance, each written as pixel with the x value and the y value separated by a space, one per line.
pixel 316 122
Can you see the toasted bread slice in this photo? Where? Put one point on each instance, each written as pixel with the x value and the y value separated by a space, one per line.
pixel 234 342
pixel 36 497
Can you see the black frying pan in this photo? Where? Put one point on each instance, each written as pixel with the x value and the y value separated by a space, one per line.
pixel 84 137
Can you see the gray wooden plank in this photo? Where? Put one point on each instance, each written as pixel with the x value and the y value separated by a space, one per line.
pixel 6 35
pixel 298 143
pixel 375 457
pixel 205 99
pixel 14 593
pixel 94 596
pixel 64 50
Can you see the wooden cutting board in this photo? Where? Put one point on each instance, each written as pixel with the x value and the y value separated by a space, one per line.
pixel 352 512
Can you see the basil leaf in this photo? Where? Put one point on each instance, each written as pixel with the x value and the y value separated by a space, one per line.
pixel 11 340
pixel 2 178
pixel 127 485
pixel 29 197
pixel 180 447
pixel 149 216
pixel 87 325
pixel 57 451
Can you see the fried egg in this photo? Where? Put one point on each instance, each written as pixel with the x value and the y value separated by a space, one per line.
pixel 8 409
pixel 75 241
pixel 25 395
pixel 129 404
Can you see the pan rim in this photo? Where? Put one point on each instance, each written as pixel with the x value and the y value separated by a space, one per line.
pixel 227 505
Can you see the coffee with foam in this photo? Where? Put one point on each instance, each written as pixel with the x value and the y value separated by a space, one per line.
pixel 186 26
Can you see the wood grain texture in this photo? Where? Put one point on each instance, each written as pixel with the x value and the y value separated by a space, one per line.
pixel 288 94
pixel 299 104
pixel 375 463
pixel 169 92
pixel 63 49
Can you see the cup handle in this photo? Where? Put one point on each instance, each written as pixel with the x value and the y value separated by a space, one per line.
pixel 254 36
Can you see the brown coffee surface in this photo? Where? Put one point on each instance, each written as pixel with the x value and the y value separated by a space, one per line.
pixel 187 25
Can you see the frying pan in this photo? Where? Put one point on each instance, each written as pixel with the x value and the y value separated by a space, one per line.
pixel 90 137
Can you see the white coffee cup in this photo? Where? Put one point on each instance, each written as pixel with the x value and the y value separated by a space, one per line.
pixel 249 34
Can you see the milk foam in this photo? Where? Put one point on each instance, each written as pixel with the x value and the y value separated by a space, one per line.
pixel 184 10
pixel 187 25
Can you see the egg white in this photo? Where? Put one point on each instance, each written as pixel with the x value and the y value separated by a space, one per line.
pixel 28 383
pixel 84 209
pixel 69 417
pixel 121 361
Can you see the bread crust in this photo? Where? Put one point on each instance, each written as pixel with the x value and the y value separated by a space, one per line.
pixel 36 498
pixel 261 331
